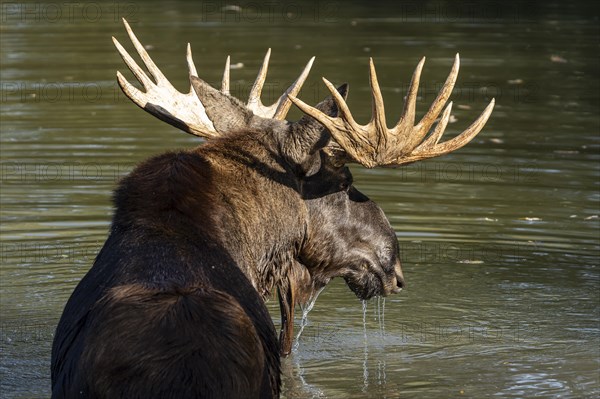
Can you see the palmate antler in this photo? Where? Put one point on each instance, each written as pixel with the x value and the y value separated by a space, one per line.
pixel 185 111
pixel 370 145
pixel 375 144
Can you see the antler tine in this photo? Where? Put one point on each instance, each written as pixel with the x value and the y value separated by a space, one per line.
pixel 161 99
pixel 374 144
pixel 133 66
pixel 414 137
pixel 225 81
pixel 256 91
pixel 152 68
pixel 190 61
pixel 284 101
pixel 280 108
pixel 131 91
pixel 193 72
pixel 408 113
pixel 378 117
pixel 438 131
pixel 460 140
pixel 439 102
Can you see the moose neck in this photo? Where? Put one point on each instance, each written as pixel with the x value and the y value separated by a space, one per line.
pixel 259 215
pixel 235 192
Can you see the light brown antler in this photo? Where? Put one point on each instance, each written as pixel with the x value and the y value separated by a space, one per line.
pixel 185 111
pixel 375 144
pixel 280 108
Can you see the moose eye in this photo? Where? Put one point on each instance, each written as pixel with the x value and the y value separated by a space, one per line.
pixel 346 180
pixel 345 185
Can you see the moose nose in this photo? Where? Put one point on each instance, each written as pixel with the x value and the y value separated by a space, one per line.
pixel 400 283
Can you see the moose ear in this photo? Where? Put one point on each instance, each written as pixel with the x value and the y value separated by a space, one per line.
pixel 327 106
pixel 307 136
pixel 225 112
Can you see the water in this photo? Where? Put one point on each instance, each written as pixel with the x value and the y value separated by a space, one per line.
pixel 306 308
pixel 366 350
pixel 499 241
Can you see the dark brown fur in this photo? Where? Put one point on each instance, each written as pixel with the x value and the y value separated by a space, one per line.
pixel 194 328
pixel 173 305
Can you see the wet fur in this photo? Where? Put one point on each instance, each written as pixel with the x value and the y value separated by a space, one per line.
pixel 173 306
pixel 166 291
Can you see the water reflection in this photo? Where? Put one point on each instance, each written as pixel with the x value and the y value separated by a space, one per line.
pixel 499 241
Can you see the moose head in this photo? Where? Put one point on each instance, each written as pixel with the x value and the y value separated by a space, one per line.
pixel 298 221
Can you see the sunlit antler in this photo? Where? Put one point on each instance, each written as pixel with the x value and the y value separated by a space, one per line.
pixel 184 110
pixel 280 108
pixel 374 144
pixel 161 99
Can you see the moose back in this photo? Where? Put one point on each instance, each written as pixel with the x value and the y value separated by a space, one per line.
pixel 173 306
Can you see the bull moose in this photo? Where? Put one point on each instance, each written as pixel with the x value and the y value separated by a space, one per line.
pixel 173 306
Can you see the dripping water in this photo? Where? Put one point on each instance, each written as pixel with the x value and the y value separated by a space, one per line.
pixel 381 376
pixel 381 316
pixel 306 308
pixel 307 389
pixel 366 349
pixel 383 319
pixel 381 362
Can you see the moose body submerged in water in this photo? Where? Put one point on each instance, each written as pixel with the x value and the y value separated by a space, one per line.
pixel 173 306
